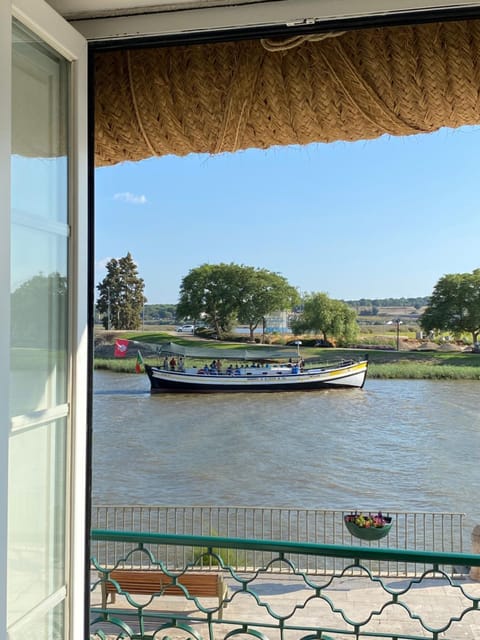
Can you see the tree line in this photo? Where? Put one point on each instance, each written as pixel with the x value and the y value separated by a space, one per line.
pixel 221 295
pixel 376 303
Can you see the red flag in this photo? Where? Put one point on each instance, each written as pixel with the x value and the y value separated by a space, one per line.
pixel 139 362
pixel 121 347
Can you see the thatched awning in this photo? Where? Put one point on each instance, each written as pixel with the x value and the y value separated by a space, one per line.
pixel 237 95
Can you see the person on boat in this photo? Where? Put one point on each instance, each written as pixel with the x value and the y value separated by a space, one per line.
pixel 165 363
pixel 173 363
pixel 229 370
pixel 219 366
pixel 181 364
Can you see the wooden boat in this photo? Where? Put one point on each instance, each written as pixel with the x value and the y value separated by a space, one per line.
pixel 258 376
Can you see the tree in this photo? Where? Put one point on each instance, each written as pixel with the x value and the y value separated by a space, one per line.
pixel 455 305
pixel 223 293
pixel 211 292
pixel 262 293
pixel 121 296
pixel 331 318
pixel 32 305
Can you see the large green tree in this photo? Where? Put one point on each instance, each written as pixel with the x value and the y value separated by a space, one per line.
pixel 455 305
pixel 121 298
pixel 210 292
pixel 332 318
pixel 263 292
pixel 221 294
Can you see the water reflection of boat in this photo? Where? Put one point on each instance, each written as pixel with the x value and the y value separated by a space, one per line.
pixel 261 374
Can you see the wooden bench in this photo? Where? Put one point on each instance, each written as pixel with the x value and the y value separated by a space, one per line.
pixel 148 582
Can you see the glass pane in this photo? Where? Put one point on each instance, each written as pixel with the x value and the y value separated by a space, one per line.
pixel 36 518
pixel 39 138
pixel 44 626
pixel 39 338
pixel 39 256
pixel 39 320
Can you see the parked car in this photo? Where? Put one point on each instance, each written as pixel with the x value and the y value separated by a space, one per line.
pixel 323 343
pixel 186 328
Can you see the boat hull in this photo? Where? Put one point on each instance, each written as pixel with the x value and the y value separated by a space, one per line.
pixel 281 379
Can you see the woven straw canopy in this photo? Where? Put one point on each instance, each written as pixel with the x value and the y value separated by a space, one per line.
pixel 236 95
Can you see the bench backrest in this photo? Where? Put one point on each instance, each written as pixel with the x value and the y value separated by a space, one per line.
pixel 147 582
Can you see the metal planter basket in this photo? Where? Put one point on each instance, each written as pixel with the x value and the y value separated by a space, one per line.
pixel 368 533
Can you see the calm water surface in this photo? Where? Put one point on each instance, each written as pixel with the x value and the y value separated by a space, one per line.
pixel 398 444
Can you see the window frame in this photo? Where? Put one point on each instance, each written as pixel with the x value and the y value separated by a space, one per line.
pixel 48 25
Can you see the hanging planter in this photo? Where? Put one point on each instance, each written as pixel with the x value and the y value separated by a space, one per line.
pixel 371 527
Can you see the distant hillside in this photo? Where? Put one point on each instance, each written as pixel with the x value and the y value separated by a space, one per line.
pixel 365 303
pixel 400 307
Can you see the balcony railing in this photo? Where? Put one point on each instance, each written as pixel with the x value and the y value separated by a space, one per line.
pixel 277 599
pixel 418 531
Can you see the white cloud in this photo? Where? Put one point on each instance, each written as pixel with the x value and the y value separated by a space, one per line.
pixel 130 197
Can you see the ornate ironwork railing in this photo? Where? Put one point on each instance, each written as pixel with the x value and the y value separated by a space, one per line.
pixel 277 599
pixel 419 531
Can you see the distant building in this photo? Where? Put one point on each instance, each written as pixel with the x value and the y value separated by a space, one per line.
pixel 277 322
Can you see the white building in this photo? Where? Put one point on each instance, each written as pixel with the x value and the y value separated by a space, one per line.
pixel 277 322
pixel 44 397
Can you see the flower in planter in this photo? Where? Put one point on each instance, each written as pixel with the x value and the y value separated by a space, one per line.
pixel 369 521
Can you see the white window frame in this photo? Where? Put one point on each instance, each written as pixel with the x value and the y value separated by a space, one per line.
pixel 5 131
pixel 41 19
pixel 289 13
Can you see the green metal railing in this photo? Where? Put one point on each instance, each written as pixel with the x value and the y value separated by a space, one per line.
pixel 278 600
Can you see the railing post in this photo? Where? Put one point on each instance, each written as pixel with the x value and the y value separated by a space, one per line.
pixel 475 571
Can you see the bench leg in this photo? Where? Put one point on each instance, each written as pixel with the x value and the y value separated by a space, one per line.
pixel 105 596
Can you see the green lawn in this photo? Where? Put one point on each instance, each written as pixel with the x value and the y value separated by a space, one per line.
pixel 383 363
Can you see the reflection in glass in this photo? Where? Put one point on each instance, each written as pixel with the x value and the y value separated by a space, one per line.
pixel 37 516
pixel 39 340
pixel 39 330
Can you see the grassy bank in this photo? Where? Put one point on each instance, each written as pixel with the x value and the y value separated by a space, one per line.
pixel 384 364
pixel 423 371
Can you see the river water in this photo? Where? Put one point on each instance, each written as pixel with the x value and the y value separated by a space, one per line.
pixel 396 444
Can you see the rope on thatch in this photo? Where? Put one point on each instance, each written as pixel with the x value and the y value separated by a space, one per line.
pixel 223 97
pixel 285 44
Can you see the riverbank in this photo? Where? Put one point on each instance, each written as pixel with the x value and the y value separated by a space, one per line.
pixel 384 364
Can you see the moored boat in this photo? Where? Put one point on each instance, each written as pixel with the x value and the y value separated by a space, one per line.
pixel 258 376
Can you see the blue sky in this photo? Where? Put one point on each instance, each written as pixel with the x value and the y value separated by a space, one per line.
pixel 370 219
